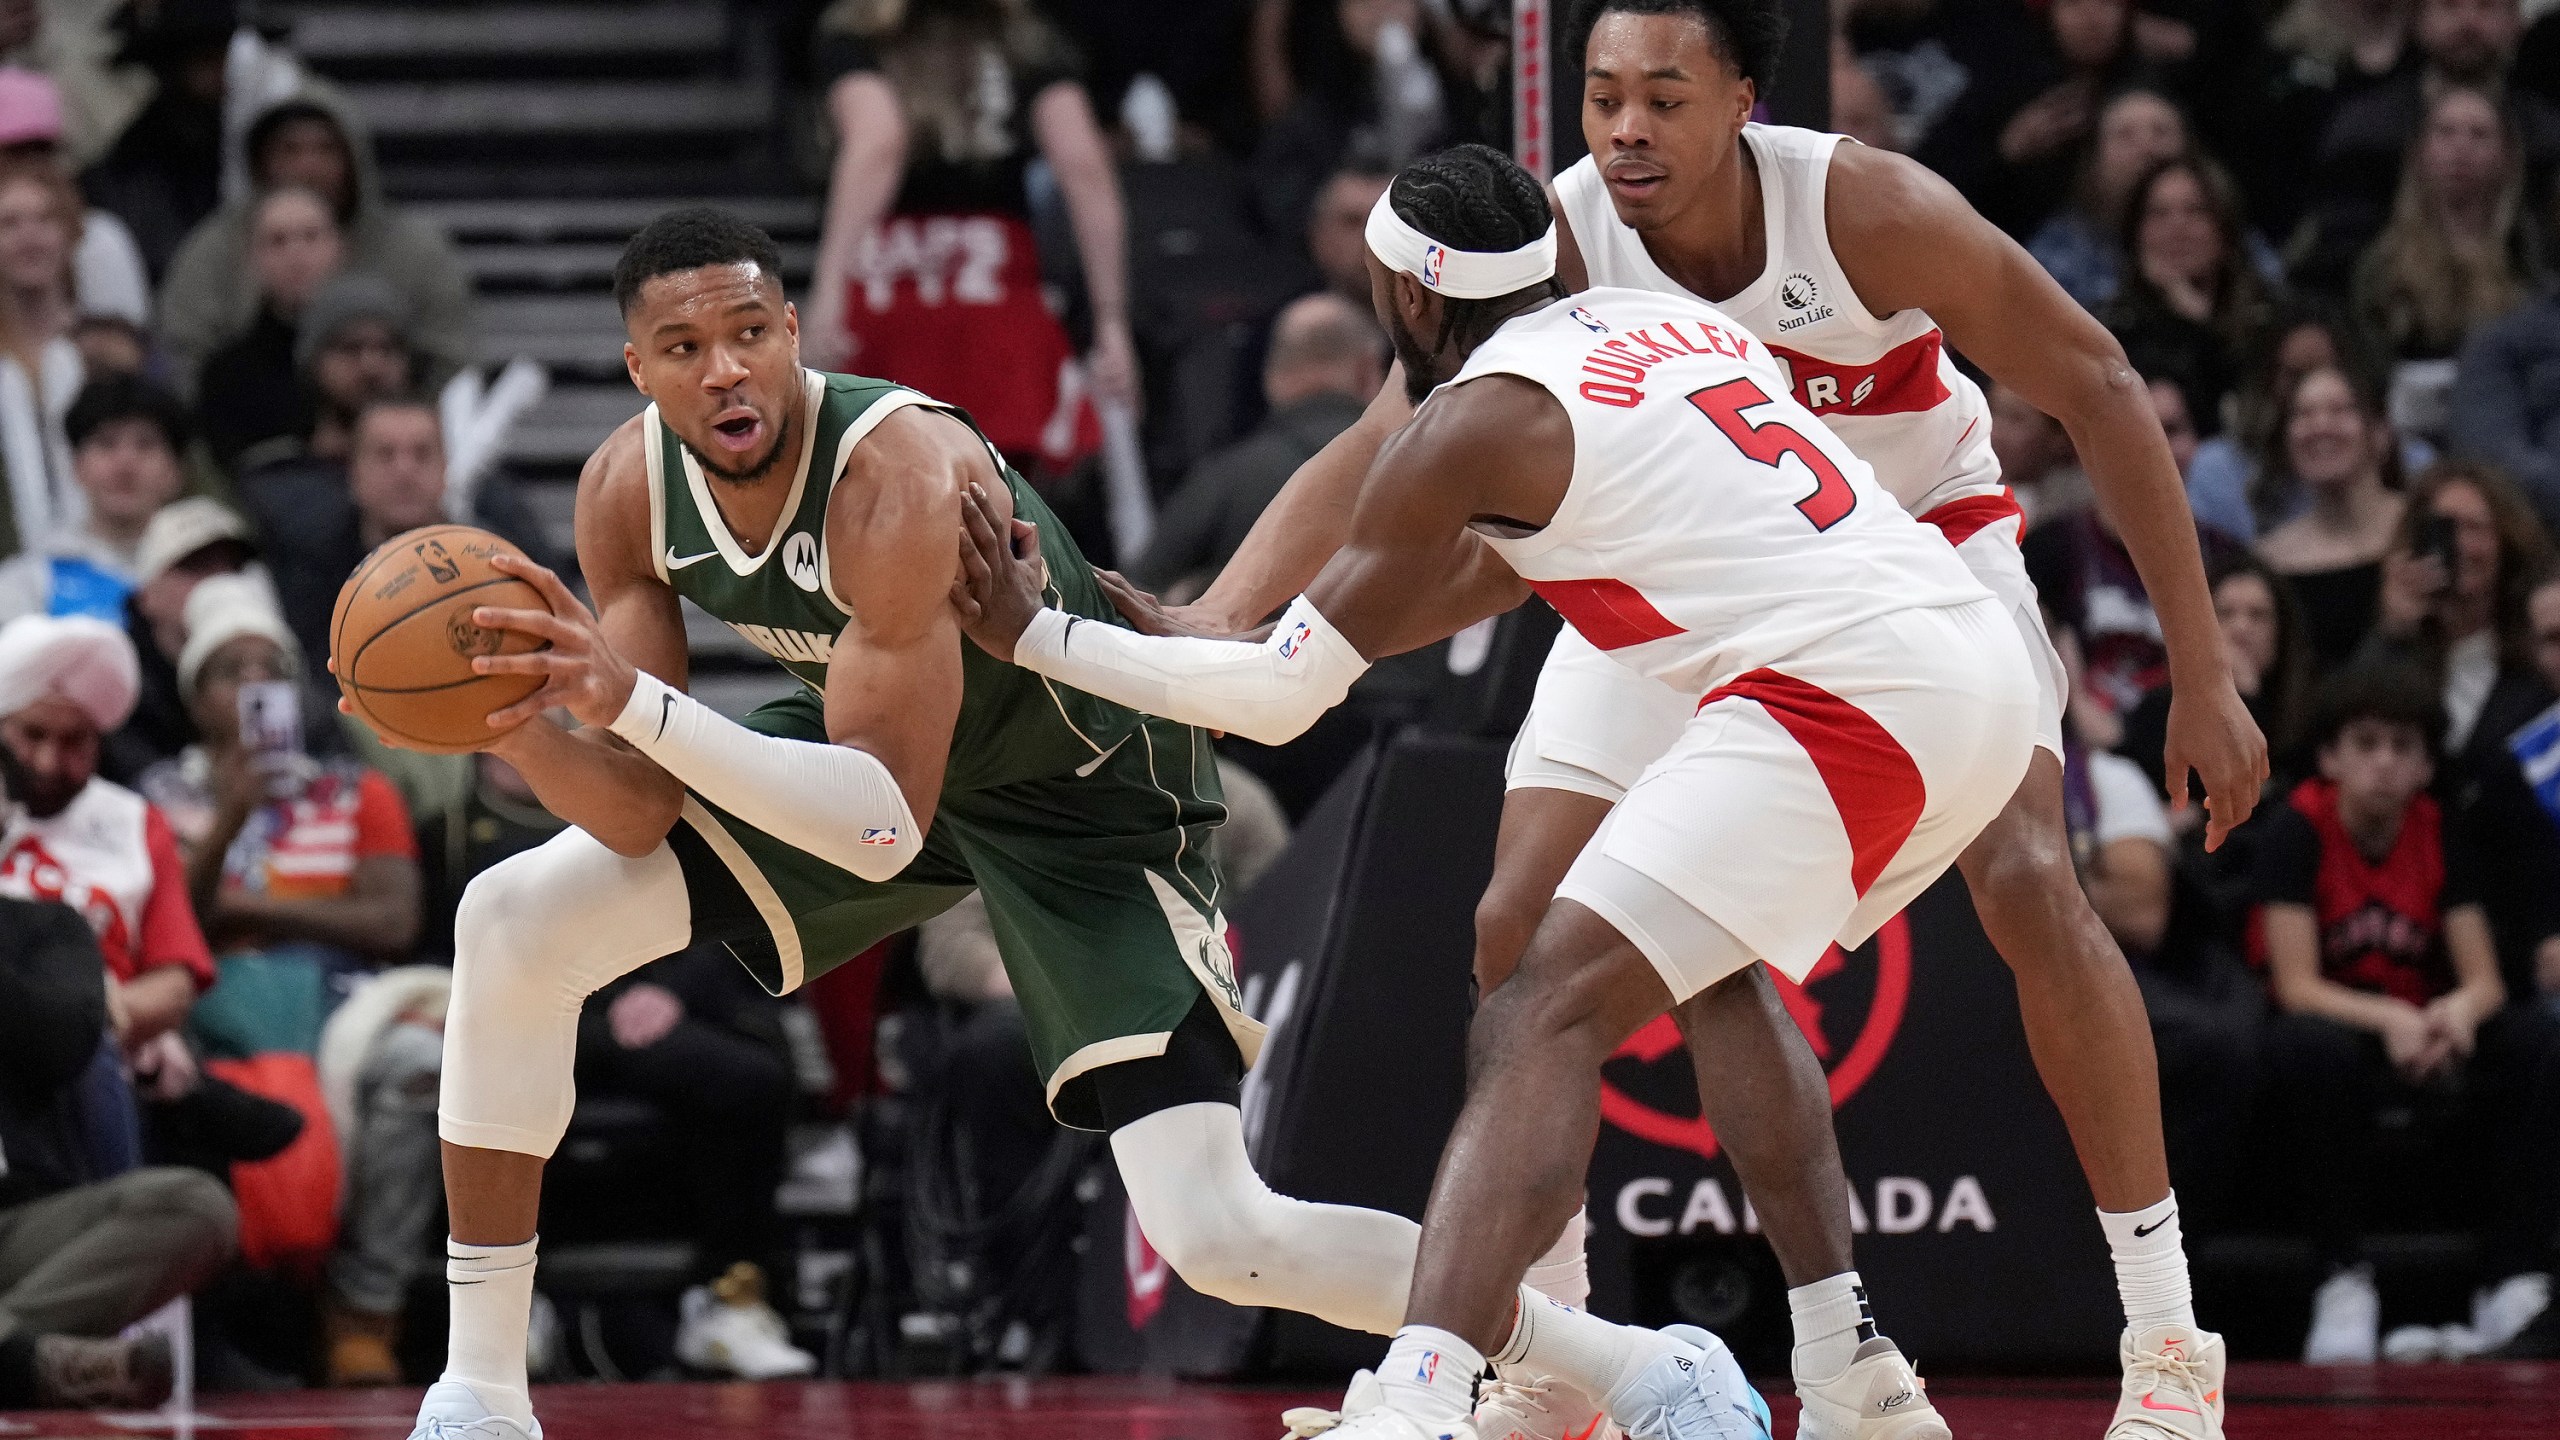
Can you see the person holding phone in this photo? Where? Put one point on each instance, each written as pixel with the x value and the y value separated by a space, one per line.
pixel 304 869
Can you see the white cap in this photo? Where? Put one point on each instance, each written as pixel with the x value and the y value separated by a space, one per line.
pixel 221 609
pixel 78 658
pixel 180 529
pixel 1458 274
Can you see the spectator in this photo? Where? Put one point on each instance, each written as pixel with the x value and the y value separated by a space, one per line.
pixel 2323 53
pixel 2455 609
pixel 87 841
pixel 1356 77
pixel 2119 830
pixel 1326 360
pixel 2506 401
pixel 916 140
pixel 491 816
pixel 309 865
pixel 40 372
pixel 2036 458
pixel 2460 43
pixel 693 1035
pixel 2455 254
pixel 107 267
pixel 2191 297
pixel 84 1255
pixel 39 231
pixel 110 345
pixel 2008 141
pixel 1337 238
pixel 2262 637
pixel 2137 129
pixel 2306 334
pixel 127 437
pixel 163 174
pixel 2336 447
pixel 212 297
pixel 2385 977
pixel 320 519
pixel 250 389
pixel 189 541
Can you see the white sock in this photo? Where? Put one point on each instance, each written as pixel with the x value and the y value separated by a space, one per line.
pixel 1430 1374
pixel 1563 1274
pixel 1591 1354
pixel 492 1294
pixel 1832 1319
pixel 2151 1265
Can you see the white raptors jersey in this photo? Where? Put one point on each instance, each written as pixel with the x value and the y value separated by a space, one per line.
pixel 1886 387
pixel 1712 525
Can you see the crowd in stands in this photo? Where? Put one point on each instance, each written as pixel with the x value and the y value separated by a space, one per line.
pixel 2326 232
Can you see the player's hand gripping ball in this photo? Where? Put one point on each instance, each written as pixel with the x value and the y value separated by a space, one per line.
pixel 402 639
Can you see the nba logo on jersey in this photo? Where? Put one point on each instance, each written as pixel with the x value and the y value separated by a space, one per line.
pixel 1431 257
pixel 879 834
pixel 1588 320
pixel 1297 638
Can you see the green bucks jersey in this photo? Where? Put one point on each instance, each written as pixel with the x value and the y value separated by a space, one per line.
pixel 1013 725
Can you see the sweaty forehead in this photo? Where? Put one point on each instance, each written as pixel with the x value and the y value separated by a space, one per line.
pixel 694 297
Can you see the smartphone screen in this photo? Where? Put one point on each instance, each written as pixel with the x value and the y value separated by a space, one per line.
pixel 271 717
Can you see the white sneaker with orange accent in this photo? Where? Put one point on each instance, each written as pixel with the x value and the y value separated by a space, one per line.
pixel 1536 1409
pixel 1878 1397
pixel 2172 1385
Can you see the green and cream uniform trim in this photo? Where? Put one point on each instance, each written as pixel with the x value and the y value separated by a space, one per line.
pixel 1085 825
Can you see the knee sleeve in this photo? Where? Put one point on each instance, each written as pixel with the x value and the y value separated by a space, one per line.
pixel 1193 1189
pixel 535 935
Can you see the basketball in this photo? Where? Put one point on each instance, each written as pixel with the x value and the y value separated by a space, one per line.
pixel 402 638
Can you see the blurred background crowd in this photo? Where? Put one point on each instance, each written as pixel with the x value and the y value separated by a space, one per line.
pixel 280 281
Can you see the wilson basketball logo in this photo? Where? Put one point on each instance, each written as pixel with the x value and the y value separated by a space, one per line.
pixel 1850 1008
pixel 470 638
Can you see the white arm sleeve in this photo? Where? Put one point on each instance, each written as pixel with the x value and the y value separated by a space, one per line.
pixel 1269 692
pixel 838 803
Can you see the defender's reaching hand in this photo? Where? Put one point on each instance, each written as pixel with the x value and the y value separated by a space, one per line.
pixel 1003 581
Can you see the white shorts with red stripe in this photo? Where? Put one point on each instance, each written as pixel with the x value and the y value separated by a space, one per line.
pixel 1809 802
pixel 1594 725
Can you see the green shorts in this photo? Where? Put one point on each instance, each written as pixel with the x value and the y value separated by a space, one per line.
pixel 1099 886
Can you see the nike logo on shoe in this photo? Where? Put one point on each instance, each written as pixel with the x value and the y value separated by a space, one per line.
pixel 2144 1232
pixel 1587 1431
pixel 675 562
pixel 2150 1402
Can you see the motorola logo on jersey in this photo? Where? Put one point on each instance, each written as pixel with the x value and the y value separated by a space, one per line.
pixel 1850 1008
pixel 800 560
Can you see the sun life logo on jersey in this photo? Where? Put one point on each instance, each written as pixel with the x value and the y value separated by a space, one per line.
pixel 1589 321
pixel 1801 294
pixel 800 560
pixel 1432 255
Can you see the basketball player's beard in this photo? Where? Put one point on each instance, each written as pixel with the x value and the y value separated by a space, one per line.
pixel 753 473
pixel 1419 381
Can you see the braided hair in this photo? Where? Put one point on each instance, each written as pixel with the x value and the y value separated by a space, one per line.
pixel 1748 34
pixel 1474 197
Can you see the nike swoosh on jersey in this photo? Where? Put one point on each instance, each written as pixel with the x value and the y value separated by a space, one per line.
pixel 1087 768
pixel 674 563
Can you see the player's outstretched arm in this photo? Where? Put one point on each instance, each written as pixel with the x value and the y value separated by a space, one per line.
pixel 1302 526
pixel 1909 241
pixel 586 776
pixel 863 801
pixel 1411 574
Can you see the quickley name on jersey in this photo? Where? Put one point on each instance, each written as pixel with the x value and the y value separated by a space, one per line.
pixel 1013 725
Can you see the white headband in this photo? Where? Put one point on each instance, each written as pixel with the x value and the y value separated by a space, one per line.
pixel 1458 274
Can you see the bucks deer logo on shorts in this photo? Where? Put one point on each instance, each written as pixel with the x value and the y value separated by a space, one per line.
pixel 1850 1008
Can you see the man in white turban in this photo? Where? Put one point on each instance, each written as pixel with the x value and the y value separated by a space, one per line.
pixel 65 682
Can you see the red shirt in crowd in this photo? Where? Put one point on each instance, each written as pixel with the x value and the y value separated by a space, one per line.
pixel 2381 921
pixel 111 856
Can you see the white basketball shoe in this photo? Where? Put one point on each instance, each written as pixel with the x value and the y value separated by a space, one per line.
pixel 1365 1416
pixel 2172 1385
pixel 452 1411
pixel 1540 1409
pixel 1877 1396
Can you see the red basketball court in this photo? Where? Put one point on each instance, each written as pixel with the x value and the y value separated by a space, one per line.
pixel 2471 1402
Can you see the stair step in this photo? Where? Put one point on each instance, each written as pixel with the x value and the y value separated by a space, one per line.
pixel 520 265
pixel 496 112
pixel 331 36
pixel 570 423
pixel 611 220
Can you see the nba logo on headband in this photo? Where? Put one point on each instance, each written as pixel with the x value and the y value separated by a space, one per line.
pixel 1431 258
